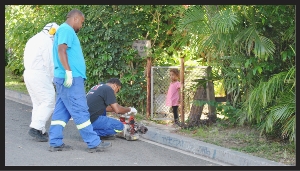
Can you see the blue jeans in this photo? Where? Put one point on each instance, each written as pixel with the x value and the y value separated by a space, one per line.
pixel 105 126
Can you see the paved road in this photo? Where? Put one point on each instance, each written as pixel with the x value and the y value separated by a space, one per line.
pixel 22 150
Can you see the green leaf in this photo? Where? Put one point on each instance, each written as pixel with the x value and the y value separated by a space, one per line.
pixel 284 55
pixel 254 71
pixel 247 63
pixel 259 69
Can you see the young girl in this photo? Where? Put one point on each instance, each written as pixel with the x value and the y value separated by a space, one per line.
pixel 173 95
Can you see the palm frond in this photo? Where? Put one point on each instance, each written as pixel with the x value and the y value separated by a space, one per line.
pixel 289 128
pixel 232 75
pixel 244 38
pixel 266 93
pixel 261 46
pixel 179 41
pixel 283 113
pixel 290 34
pixel 224 21
pixel 277 104
pixel 211 28
pixel 194 18
pixel 290 76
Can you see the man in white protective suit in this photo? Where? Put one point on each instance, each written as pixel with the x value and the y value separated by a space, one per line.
pixel 38 77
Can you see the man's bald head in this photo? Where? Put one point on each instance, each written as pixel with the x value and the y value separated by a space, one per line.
pixel 74 12
pixel 75 19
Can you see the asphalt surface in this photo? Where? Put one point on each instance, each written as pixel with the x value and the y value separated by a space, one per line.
pixel 162 134
pixel 22 150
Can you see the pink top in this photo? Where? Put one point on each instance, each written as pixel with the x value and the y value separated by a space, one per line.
pixel 173 94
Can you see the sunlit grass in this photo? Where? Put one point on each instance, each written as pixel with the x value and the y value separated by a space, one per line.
pixel 14 82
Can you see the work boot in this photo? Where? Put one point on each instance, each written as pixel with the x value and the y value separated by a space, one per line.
pixel 103 145
pixel 37 134
pixel 108 137
pixel 63 147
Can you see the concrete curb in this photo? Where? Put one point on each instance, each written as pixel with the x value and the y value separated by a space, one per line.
pixel 163 134
pixel 166 137
pixel 18 97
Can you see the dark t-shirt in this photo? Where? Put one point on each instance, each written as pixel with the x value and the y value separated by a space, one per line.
pixel 98 98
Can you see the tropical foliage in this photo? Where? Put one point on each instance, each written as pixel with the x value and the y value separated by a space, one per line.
pixel 106 39
pixel 251 48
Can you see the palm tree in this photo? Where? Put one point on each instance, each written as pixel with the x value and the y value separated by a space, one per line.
pixel 249 44
pixel 273 104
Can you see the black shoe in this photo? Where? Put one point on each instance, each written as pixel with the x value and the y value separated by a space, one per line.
pixel 176 124
pixel 103 145
pixel 108 137
pixel 37 134
pixel 63 147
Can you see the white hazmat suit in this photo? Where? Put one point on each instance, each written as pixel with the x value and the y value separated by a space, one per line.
pixel 38 75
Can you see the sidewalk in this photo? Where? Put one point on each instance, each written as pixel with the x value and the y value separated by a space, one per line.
pixel 163 134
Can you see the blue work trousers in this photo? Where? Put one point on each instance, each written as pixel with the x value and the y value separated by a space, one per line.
pixel 105 126
pixel 71 102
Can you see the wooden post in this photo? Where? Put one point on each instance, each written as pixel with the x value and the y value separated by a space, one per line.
pixel 143 46
pixel 210 91
pixel 148 87
pixel 182 89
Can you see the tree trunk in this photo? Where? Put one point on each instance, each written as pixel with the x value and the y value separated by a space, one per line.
pixel 212 115
pixel 196 111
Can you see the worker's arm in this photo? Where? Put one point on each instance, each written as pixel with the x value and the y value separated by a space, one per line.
pixel 115 107
pixel 109 109
pixel 62 53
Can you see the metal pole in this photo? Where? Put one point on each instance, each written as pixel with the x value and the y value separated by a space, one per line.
pixel 148 87
pixel 182 88
pixel 152 101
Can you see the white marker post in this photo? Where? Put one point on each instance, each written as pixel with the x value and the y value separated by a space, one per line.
pixel 143 47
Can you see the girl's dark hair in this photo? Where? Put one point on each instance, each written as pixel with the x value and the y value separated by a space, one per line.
pixel 114 81
pixel 175 71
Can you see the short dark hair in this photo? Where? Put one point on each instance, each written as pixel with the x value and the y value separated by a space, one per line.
pixel 175 71
pixel 114 81
pixel 74 12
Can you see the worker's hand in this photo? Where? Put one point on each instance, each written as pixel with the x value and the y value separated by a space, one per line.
pixel 68 79
pixel 132 110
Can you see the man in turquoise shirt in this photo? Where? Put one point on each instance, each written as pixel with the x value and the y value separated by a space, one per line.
pixel 69 77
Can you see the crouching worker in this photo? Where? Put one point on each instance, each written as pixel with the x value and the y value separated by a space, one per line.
pixel 101 99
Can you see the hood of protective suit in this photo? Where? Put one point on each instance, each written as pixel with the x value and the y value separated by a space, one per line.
pixel 50 29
